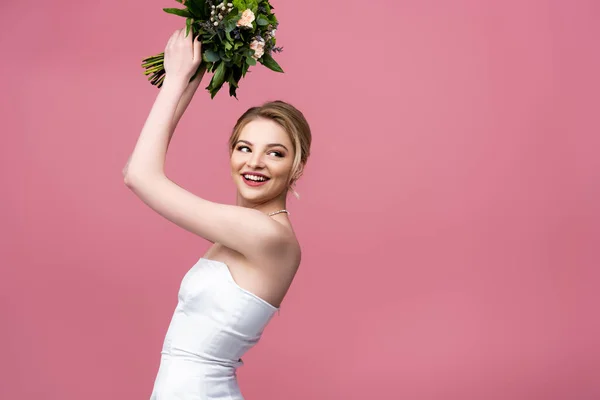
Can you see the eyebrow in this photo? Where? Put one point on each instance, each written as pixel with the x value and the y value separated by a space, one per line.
pixel 268 145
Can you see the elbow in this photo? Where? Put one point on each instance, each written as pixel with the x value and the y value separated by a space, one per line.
pixel 129 180
pixel 126 177
pixel 126 181
pixel 126 169
pixel 136 179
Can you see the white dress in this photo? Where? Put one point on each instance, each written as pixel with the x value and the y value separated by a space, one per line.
pixel 214 324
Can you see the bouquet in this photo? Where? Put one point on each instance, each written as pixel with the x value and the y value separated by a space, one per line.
pixel 234 35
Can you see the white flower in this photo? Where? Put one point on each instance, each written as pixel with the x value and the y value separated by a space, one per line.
pixel 246 19
pixel 273 32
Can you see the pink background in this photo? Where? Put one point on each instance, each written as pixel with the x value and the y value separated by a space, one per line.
pixel 450 212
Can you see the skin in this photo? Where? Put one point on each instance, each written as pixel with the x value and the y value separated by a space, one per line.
pixel 262 252
pixel 263 147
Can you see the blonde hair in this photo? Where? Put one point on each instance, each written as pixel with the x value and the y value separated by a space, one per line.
pixel 293 123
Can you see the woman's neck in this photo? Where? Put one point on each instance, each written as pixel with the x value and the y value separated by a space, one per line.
pixel 266 207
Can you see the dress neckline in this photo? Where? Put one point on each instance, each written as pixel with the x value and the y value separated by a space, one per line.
pixel 232 280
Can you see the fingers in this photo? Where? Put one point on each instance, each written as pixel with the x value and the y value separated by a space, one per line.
pixel 197 49
pixel 189 39
pixel 169 41
pixel 185 37
pixel 173 38
pixel 180 40
pixel 180 36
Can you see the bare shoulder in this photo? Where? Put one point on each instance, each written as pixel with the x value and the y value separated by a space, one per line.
pixel 269 273
pixel 280 265
pixel 284 247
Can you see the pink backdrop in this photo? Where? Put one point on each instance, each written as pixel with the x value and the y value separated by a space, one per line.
pixel 449 216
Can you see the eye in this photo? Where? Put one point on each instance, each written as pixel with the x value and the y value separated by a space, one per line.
pixel 277 153
pixel 243 148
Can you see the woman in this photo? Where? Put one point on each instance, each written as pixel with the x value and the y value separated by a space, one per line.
pixel 228 297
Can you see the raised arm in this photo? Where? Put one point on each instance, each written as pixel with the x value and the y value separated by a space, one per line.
pixel 187 95
pixel 183 104
pixel 245 230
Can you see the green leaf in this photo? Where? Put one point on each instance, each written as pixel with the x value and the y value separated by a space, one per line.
pixel 239 4
pixel 188 26
pixel 219 77
pixel 237 59
pixel 230 24
pixel 270 63
pixel 232 82
pixel 197 8
pixel 178 11
pixel 262 21
pixel 250 61
pixel 236 75
pixel 210 56
pixel 232 91
pixel 253 5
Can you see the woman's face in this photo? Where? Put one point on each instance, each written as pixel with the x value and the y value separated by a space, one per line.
pixel 261 161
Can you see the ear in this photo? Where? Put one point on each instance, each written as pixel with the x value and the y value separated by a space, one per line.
pixel 299 172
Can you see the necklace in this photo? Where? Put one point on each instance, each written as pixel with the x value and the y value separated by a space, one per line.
pixel 278 212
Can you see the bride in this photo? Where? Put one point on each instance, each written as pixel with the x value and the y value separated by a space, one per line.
pixel 231 293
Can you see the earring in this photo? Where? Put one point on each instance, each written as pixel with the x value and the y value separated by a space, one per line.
pixel 291 187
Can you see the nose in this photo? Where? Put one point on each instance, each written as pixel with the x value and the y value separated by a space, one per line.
pixel 256 160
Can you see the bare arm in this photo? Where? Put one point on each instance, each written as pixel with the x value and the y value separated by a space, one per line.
pixel 188 94
pixel 183 104
pixel 248 231
pixel 148 157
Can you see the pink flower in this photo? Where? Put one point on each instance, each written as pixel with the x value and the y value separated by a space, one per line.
pixel 258 45
pixel 246 19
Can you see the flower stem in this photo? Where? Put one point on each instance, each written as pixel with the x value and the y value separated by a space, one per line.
pixel 154 69
pixel 148 64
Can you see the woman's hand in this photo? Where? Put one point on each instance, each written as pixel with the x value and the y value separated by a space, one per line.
pixel 183 56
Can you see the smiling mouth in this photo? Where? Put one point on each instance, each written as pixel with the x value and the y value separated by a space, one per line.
pixel 254 180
